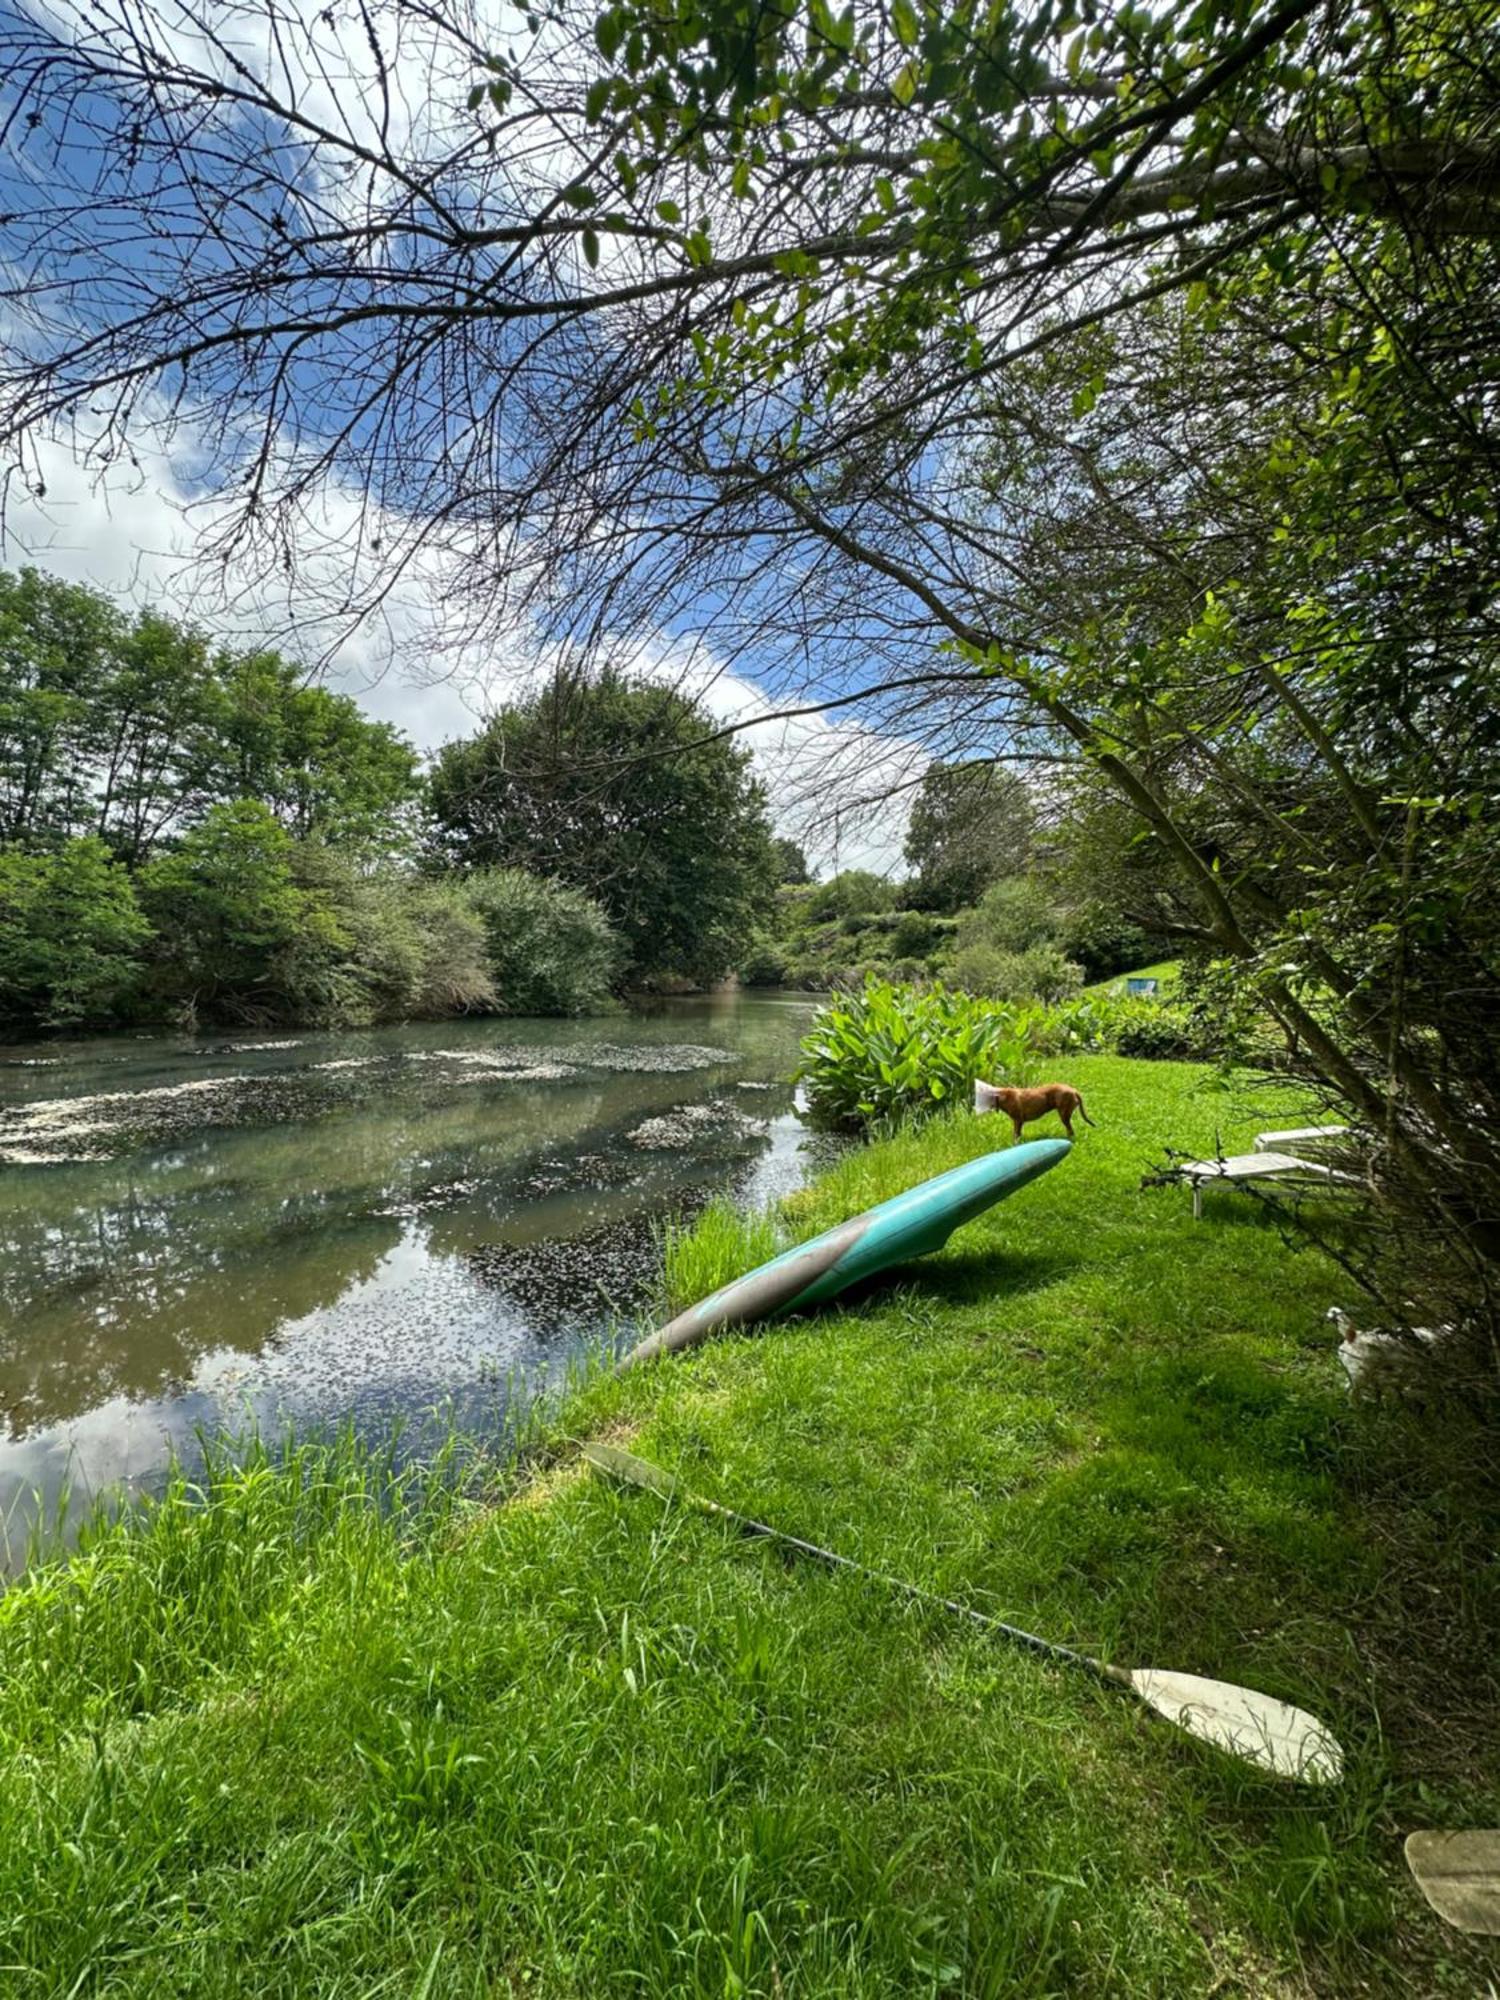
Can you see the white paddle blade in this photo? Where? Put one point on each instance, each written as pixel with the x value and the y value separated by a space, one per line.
pixel 609 1458
pixel 1459 1874
pixel 1254 1726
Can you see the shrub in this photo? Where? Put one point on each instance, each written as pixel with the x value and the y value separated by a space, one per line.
pixel 914 934
pixel 1162 1034
pixel 888 1051
pixel 855 893
pixel 414 947
pixel 453 971
pixel 1104 942
pixel 906 971
pixel 550 949
pixel 1011 916
pixel 764 963
pixel 70 935
pixel 1041 972
pixel 236 935
pixel 810 975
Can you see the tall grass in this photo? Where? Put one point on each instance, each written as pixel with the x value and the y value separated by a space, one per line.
pixel 320 1725
pixel 156 1601
pixel 719 1245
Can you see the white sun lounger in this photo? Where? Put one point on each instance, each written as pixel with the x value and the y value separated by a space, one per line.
pixel 1302 1139
pixel 1253 1167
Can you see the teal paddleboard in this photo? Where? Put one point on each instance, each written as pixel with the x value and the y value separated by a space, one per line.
pixel 908 1225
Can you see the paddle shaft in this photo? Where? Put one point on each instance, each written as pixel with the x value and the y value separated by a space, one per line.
pixel 995 1627
pixel 1249 1725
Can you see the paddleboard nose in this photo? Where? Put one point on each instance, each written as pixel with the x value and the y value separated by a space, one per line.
pixel 1013 1167
pixel 982 1181
pixel 1014 1164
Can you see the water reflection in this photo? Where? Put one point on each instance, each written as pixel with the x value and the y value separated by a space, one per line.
pixel 318 1227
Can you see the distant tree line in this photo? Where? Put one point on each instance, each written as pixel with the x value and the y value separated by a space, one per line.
pixel 1002 899
pixel 133 728
pixel 192 833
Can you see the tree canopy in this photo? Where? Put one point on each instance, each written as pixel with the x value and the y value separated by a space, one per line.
pixel 970 825
pixel 674 843
pixel 70 934
pixel 792 870
pixel 1107 388
pixel 132 729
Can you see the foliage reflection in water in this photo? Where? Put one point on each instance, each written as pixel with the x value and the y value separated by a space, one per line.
pixel 314 1228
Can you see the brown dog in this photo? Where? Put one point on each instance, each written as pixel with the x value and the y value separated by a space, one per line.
pixel 1024 1107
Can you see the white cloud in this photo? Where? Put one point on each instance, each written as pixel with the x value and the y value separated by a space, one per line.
pixel 830 780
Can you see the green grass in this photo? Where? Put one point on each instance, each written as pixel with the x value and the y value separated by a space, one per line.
pixel 698 1257
pixel 318 1735
pixel 1168 971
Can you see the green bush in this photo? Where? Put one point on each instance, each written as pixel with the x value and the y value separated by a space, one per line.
pixel 855 893
pixel 551 950
pixel 905 971
pixel 1011 916
pixel 1162 1034
pixel 1042 972
pixel 764 963
pixel 239 921
pixel 914 934
pixel 837 934
pixel 1104 942
pixel 453 972
pixel 412 948
pixel 889 1051
pixel 70 934
pixel 236 936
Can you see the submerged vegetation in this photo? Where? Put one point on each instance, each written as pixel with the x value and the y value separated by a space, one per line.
pixel 322 1728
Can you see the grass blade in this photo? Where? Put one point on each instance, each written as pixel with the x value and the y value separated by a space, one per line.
pixel 1281 1739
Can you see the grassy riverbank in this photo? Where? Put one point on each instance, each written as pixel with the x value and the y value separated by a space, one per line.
pixel 299 1743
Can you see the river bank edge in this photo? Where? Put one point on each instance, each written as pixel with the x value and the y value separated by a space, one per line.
pixel 546 1733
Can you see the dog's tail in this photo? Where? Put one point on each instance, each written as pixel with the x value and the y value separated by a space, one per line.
pixel 1084 1115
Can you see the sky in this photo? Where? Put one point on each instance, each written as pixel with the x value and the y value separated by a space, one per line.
pixel 137 535
pixel 134 538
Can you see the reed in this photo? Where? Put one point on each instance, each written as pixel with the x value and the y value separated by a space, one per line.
pixel 463 1720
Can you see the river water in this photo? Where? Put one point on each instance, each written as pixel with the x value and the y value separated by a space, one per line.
pixel 306 1229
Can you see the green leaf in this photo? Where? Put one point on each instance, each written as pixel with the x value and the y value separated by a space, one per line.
pixel 904 83
pixel 669 211
pixel 906 24
pixel 609 32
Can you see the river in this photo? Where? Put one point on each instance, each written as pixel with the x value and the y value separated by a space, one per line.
pixel 304 1229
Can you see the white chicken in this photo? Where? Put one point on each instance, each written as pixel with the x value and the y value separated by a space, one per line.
pixel 1369 1358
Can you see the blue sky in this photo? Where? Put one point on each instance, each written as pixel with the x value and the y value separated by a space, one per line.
pixel 139 533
